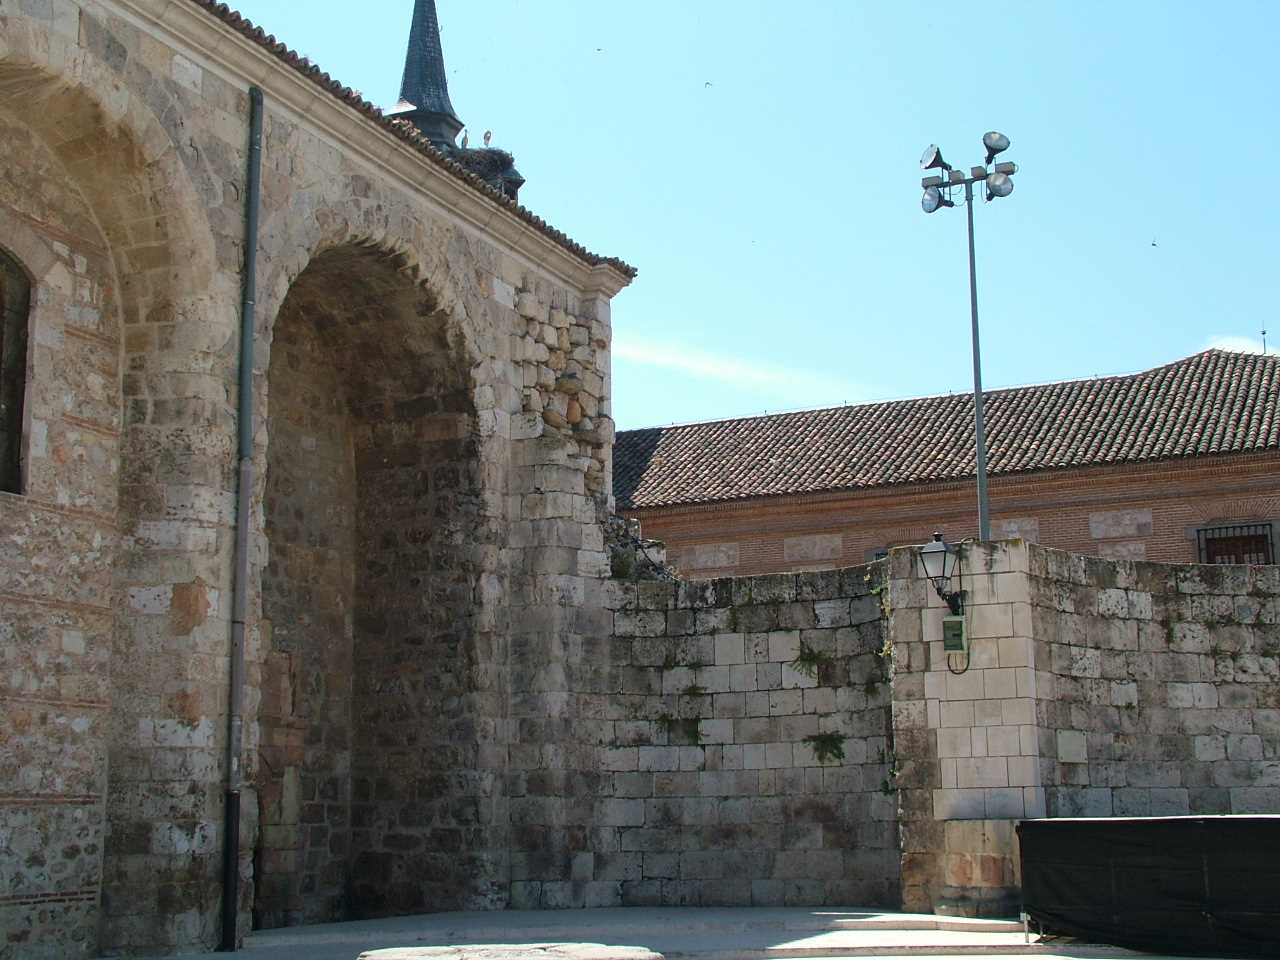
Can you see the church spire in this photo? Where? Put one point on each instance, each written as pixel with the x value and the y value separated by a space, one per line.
pixel 424 90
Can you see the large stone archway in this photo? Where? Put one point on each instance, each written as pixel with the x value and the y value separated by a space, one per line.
pixel 373 508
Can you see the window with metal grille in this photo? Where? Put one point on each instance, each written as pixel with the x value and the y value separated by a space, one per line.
pixel 1245 543
pixel 15 299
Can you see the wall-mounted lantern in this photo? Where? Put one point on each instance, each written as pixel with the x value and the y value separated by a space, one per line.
pixel 940 559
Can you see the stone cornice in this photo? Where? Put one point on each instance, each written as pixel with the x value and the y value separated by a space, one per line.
pixel 217 47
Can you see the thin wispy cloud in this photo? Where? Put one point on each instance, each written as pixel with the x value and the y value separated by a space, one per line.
pixel 1236 344
pixel 798 387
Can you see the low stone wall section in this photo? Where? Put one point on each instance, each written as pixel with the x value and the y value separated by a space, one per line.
pixel 748 726
pixel 1158 686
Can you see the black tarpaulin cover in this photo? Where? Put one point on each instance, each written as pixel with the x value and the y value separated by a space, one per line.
pixel 1173 884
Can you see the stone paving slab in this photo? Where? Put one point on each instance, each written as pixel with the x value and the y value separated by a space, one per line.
pixel 668 933
pixel 507 926
pixel 515 951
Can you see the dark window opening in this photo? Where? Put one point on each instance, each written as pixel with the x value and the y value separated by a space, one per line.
pixel 15 300
pixel 1245 543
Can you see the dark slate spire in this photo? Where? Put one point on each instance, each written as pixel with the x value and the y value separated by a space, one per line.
pixel 424 91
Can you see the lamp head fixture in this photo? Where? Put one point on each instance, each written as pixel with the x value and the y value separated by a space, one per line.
pixel 999 185
pixel 933 199
pixel 996 143
pixel 932 159
pixel 939 560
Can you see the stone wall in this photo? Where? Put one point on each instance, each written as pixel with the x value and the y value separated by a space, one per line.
pixel 746 742
pixel 1091 688
pixel 964 727
pixel 1157 686
pixel 396 534
pixel 58 545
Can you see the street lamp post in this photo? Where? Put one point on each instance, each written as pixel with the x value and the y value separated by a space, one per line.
pixel 938 192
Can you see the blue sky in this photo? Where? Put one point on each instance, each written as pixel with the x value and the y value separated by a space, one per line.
pixel 759 163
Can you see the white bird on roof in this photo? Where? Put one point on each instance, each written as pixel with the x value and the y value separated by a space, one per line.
pixel 488 136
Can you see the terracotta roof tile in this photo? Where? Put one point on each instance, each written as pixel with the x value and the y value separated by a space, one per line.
pixel 402 129
pixel 1210 403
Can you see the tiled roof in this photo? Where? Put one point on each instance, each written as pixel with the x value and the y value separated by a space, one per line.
pixel 403 130
pixel 1209 403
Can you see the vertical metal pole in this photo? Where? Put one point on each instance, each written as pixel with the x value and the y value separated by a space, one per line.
pixel 244 505
pixel 979 428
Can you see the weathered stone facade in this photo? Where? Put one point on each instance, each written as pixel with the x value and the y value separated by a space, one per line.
pixel 1092 688
pixel 432 462
pixel 745 734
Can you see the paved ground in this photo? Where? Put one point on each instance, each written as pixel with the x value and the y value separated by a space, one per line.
pixel 756 933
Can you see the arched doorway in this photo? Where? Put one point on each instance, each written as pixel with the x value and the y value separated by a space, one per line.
pixel 372 483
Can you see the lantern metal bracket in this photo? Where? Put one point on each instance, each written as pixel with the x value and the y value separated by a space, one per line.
pixel 954 599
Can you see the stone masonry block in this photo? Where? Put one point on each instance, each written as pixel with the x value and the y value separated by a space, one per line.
pixel 959 804
pixel 729 649
pixel 832 613
pixel 982 772
pixel 1072 747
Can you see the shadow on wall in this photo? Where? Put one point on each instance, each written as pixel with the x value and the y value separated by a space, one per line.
pixel 372 511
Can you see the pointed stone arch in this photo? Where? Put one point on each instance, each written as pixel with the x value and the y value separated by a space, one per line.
pixel 374 522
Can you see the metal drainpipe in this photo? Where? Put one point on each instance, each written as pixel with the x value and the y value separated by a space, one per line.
pixel 244 505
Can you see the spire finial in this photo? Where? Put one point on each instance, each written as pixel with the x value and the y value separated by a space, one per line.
pixel 424 85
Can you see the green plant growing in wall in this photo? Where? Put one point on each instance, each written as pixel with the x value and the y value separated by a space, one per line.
pixel 827 747
pixel 889 783
pixel 809 661
pixel 694 690
pixel 880 589
pixel 885 653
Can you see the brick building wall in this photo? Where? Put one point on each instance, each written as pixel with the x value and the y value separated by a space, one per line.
pixel 1150 511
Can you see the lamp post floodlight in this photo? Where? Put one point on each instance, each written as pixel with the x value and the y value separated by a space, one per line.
pixel 999 185
pixel 937 194
pixel 996 143
pixel 932 159
pixel 933 199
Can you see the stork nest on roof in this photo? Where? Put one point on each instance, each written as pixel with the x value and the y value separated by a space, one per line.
pixel 488 163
